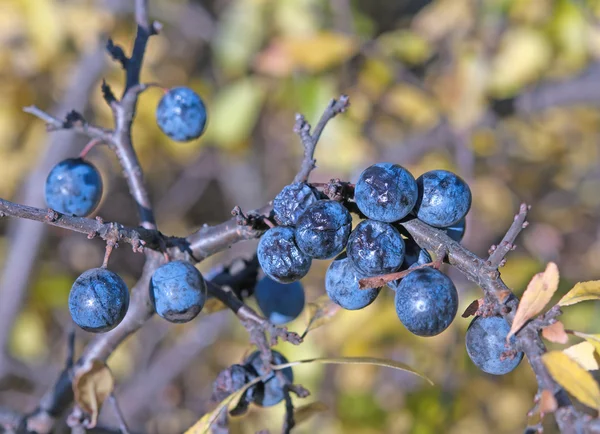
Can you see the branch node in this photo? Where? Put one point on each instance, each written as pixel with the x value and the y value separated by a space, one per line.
pixel 51 215
pixel 108 94
pixel 117 53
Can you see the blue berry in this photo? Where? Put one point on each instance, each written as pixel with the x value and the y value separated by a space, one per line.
pixel 178 291
pixel 279 302
pixel 444 198
pixel 322 230
pixel 426 302
pixel 291 202
pixel 457 231
pixel 98 300
pixel 181 114
pixel 386 192
pixel 414 256
pixel 341 284
pixel 485 341
pixel 73 187
pixel 280 257
pixel 270 391
pixel 375 248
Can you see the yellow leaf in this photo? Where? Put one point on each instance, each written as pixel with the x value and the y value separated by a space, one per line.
pixel 584 354
pixel 320 312
pixel 573 378
pixel 594 340
pixel 357 361
pixel 91 386
pixel 556 333
pixel 306 411
pixel 537 295
pixel 582 291
pixel 213 305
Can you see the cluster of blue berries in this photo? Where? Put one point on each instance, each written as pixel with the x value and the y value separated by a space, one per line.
pixel 99 298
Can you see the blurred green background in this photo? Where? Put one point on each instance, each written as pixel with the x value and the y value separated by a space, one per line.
pixel 504 92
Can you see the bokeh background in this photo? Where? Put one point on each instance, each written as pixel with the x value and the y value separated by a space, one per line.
pixel 504 92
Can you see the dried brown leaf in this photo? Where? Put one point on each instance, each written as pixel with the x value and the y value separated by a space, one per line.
pixel 91 386
pixel 556 333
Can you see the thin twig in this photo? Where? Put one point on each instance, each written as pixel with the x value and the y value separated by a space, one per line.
pixel 507 244
pixel 82 127
pixel 122 424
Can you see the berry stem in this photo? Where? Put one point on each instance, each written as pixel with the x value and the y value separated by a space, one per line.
pixel 107 252
pixel 89 147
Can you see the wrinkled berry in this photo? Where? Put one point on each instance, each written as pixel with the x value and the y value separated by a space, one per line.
pixel 270 391
pixel 73 187
pixel 426 302
pixel 386 192
pixel 279 302
pixel 98 300
pixel 322 230
pixel 341 284
pixel 291 202
pixel 178 291
pixel 457 231
pixel 280 257
pixel 444 198
pixel 375 248
pixel 485 341
pixel 181 114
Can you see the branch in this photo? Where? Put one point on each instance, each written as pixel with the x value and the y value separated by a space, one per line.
pixel 507 244
pixel 73 121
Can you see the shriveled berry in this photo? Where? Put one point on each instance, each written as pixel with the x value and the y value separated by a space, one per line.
pixel 270 391
pixel 73 187
pixel 178 291
pixel 181 114
pixel 291 202
pixel 279 302
pixel 98 300
pixel 341 284
pixel 426 302
pixel 386 192
pixel 444 198
pixel 280 257
pixel 322 230
pixel 375 248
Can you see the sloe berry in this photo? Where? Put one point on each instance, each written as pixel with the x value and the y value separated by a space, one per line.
pixel 73 187
pixel 178 291
pixel 386 192
pixel 375 248
pixel 279 302
pixel 291 202
pixel 280 257
pixel 485 341
pixel 341 284
pixel 444 198
pixel 414 256
pixel 322 230
pixel 457 231
pixel 426 302
pixel 98 300
pixel 181 114
pixel 269 391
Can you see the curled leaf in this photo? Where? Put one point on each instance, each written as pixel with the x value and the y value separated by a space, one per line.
pixel 537 295
pixel 556 333
pixel 573 378
pixel 582 291
pixel 358 361
pixel 304 412
pixel 320 312
pixel 472 308
pixel 91 386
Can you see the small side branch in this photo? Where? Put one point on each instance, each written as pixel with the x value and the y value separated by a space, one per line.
pixel 499 252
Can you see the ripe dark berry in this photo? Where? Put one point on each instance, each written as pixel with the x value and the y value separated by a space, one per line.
pixel 457 231
pixel 98 300
pixel 414 256
pixel 178 291
pixel 279 302
pixel 386 192
pixel 73 187
pixel 485 341
pixel 375 248
pixel 280 257
pixel 444 198
pixel 341 284
pixel 426 302
pixel 181 114
pixel 322 230
pixel 291 202
pixel 270 391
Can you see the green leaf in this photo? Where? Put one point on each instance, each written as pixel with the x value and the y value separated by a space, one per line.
pixel 582 291
pixel 358 361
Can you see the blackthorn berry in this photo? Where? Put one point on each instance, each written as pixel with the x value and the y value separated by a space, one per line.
pixel 386 192
pixel 181 114
pixel 280 257
pixel 291 202
pixel 341 284
pixel 279 302
pixel 457 231
pixel 485 341
pixel 414 256
pixel 444 198
pixel 178 291
pixel 426 301
pixel 375 248
pixel 73 187
pixel 98 300
pixel 322 230
pixel 270 391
